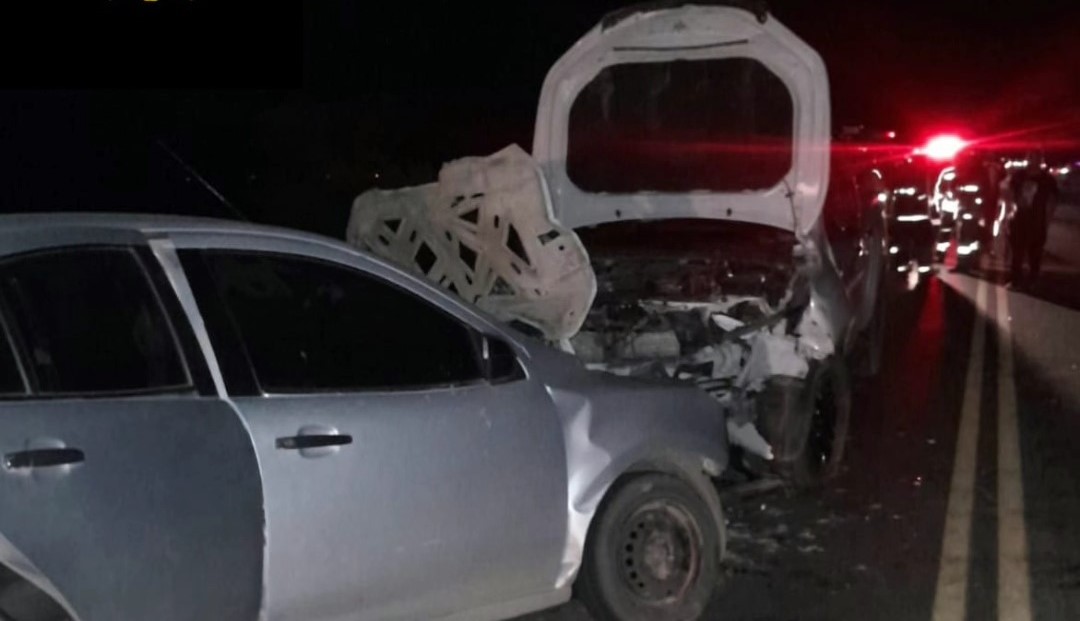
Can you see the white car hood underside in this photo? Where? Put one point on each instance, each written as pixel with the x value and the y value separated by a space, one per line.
pixel 691 33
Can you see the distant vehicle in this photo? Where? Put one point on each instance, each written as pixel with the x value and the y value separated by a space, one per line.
pixel 1068 178
pixel 221 421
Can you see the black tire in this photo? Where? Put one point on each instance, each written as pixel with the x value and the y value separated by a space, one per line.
pixel 653 552
pixel 806 423
pixel 870 345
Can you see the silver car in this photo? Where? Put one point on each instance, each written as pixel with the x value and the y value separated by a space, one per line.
pixel 211 420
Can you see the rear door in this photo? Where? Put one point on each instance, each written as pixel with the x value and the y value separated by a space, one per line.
pixel 401 480
pixel 128 489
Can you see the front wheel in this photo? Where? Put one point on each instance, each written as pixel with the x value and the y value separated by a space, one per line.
pixel 653 552
pixel 870 343
pixel 806 423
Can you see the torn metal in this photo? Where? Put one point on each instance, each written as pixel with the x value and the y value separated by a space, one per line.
pixel 728 345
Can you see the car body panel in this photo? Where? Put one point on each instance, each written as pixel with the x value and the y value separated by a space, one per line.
pixel 660 34
pixel 435 484
pixel 163 520
pixel 164 475
pixel 611 424
pixel 499 507
pixel 856 231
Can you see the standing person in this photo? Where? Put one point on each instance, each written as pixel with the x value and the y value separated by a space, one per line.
pixel 1033 190
pixel 994 177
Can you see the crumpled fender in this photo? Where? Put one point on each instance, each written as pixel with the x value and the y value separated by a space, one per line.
pixel 625 423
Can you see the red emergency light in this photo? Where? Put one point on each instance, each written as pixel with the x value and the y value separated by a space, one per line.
pixel 943 148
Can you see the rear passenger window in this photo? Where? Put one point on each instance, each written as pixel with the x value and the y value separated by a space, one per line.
pixel 313 326
pixel 88 322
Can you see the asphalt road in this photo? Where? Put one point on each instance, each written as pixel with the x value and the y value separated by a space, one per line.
pixel 960 495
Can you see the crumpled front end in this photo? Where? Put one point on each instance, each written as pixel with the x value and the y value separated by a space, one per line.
pixel 725 309
pixel 724 305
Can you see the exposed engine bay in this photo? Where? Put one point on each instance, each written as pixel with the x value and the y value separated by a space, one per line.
pixel 719 304
pixel 723 304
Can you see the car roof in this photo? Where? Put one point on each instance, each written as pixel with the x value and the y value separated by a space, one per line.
pixel 148 223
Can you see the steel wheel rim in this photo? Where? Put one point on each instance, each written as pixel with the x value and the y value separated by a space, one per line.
pixel 659 553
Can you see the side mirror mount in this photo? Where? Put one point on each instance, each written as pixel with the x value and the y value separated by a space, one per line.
pixel 499 361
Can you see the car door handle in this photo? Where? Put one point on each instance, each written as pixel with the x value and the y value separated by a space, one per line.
pixel 43 458
pixel 305 441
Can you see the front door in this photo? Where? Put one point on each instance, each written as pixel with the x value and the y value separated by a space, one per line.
pixel 125 493
pixel 400 480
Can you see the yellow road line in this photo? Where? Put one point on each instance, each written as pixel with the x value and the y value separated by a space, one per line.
pixel 1014 590
pixel 950 597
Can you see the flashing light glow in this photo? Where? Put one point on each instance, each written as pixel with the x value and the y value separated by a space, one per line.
pixel 1064 170
pixel 967 216
pixel 917 217
pixel 944 147
pixel 978 201
pixel 923 269
pixel 949 175
pixel 970 188
pixel 882 197
pixel 894 249
pixel 950 205
pixel 901 268
pixel 1016 164
pixel 905 191
pixel 968 249
pixel 890 135
pixel 942 246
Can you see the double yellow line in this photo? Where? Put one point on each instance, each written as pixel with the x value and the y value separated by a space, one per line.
pixel 1013 585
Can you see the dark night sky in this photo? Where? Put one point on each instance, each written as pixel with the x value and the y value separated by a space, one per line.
pixel 890 61
pixel 351 88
